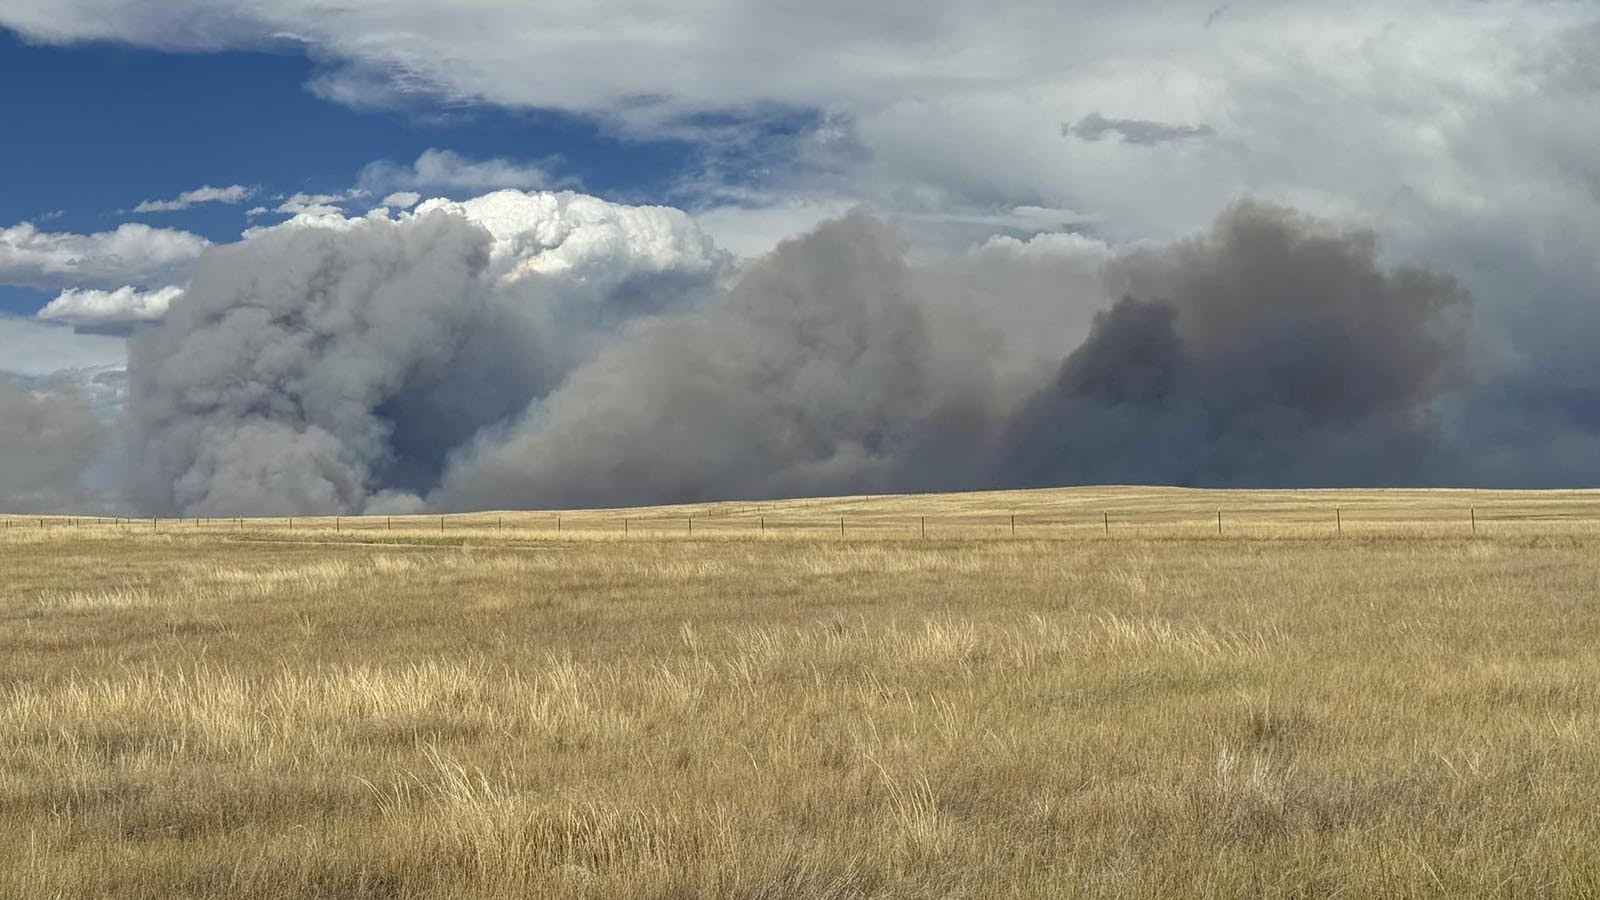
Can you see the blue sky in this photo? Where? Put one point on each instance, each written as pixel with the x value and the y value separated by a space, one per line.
pixel 98 128
pixel 107 126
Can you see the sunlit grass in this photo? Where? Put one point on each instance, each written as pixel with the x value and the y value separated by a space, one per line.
pixel 1406 708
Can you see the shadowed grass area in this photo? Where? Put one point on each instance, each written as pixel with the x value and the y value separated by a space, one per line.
pixel 223 710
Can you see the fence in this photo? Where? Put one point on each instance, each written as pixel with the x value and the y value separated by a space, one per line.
pixel 901 521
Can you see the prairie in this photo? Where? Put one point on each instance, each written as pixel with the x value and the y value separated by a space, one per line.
pixel 1067 693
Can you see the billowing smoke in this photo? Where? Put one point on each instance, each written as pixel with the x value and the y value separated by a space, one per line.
pixel 333 365
pixel 1272 351
pixel 818 370
pixel 48 441
pixel 555 350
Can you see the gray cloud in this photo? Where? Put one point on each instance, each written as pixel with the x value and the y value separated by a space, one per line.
pixel 1144 132
pixel 131 254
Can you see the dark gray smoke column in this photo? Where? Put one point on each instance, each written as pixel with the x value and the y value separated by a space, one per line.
pixel 1273 350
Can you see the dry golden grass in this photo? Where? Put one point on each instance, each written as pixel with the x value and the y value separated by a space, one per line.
pixel 499 710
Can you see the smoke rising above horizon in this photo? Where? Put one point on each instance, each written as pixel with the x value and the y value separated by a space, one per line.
pixel 1271 351
pixel 332 364
pixel 556 350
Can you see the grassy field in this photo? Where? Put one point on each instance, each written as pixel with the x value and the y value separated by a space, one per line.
pixel 1334 694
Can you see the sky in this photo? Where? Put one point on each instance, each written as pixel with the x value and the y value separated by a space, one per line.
pixel 1020 152
pixel 110 125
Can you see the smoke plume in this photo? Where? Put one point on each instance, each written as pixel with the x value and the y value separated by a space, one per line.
pixel 548 350
pixel 1271 351
pixel 818 370
pixel 332 365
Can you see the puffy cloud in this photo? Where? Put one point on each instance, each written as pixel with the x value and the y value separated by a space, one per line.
pixel 115 312
pixel 236 193
pixel 447 170
pixel 132 254
pixel 335 364
pixel 49 441
pixel 602 244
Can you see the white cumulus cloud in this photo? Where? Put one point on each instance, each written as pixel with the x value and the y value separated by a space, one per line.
pixel 119 310
pixel 130 254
